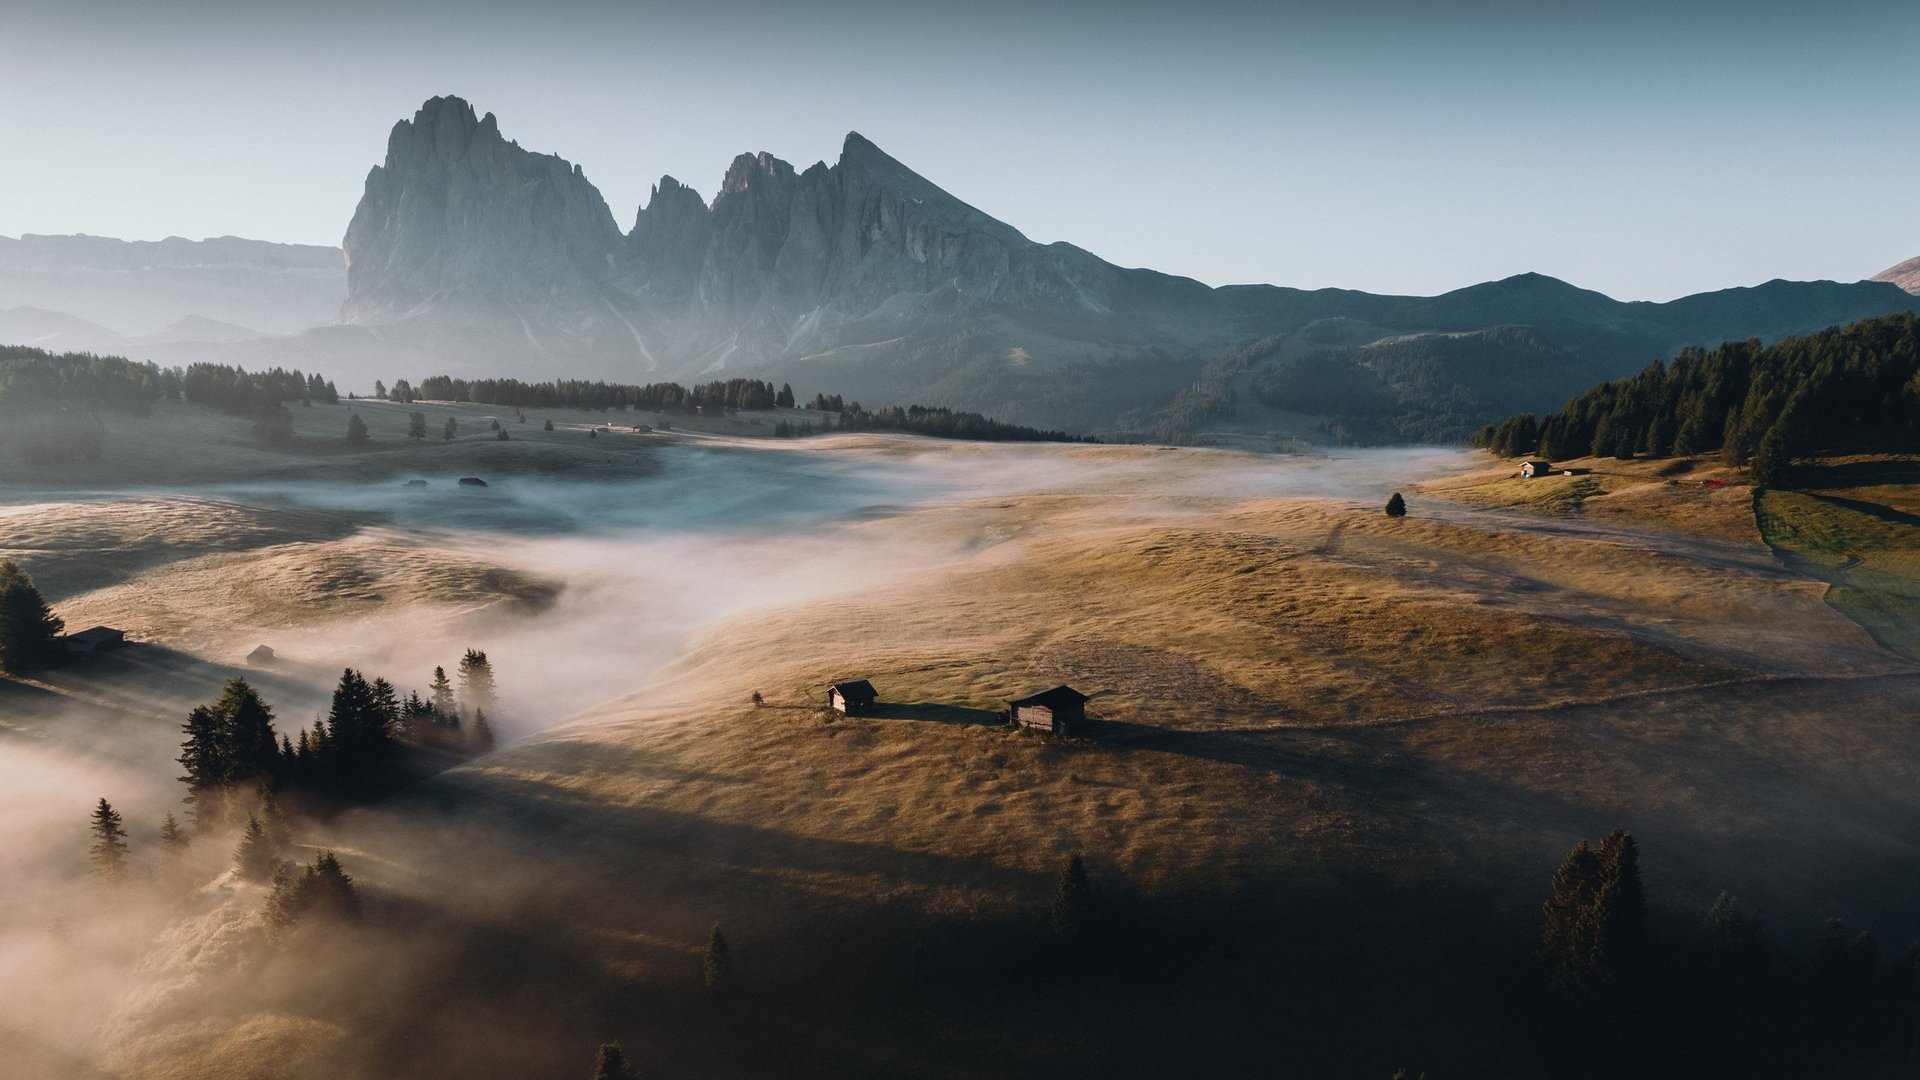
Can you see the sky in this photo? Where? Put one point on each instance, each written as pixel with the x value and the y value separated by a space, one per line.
pixel 1647 150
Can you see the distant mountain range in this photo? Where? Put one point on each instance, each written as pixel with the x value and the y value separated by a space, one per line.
pixel 133 288
pixel 471 255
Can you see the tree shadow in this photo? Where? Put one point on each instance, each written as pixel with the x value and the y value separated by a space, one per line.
pixel 1874 510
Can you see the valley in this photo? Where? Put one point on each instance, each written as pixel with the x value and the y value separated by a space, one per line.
pixel 1329 739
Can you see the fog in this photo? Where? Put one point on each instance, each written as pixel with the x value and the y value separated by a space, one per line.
pixel 635 569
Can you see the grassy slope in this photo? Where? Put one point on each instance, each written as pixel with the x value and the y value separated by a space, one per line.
pixel 1329 729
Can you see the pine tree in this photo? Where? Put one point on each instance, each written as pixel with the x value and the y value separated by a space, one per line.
pixel 784 399
pixel 483 737
pixel 549 425
pixel 29 630
pixel 1621 910
pixel 449 429
pixel 323 890
pixel 1396 506
pixel 254 857
pixel 173 839
pixel 207 760
pixel 718 967
pixel 442 689
pixel 612 1063
pixel 1073 902
pixel 416 425
pixel 252 747
pixel 356 430
pixel 109 851
pixel 1566 939
pixel 476 681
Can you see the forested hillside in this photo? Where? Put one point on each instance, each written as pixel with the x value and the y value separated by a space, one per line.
pixel 1855 388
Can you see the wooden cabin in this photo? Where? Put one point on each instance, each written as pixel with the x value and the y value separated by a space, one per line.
pixel 852 698
pixel 1531 469
pixel 95 638
pixel 1060 711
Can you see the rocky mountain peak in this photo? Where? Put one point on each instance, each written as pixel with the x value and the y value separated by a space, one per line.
pixel 458 212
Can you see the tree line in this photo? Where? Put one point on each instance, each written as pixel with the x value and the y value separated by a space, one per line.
pixel 50 402
pixel 1845 388
pixel 581 394
pixel 938 422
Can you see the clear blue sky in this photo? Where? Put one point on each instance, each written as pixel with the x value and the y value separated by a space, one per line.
pixel 1643 149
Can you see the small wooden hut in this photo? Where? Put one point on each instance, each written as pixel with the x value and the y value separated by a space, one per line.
pixel 261 656
pixel 94 639
pixel 1531 469
pixel 852 698
pixel 1061 711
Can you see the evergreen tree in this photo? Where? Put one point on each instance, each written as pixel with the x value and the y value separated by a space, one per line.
pixel 208 763
pixel 254 856
pixel 416 425
pixel 359 728
pixel 109 850
pixel 173 838
pixel 784 399
pixel 1396 506
pixel 718 967
pixel 502 436
pixel 612 1063
pixel 1566 939
pixel 549 425
pixel 252 747
pixel 1770 459
pixel 1621 910
pixel 449 429
pixel 29 630
pixel 476 681
pixel 1595 939
pixel 322 890
pixel 356 430
pixel 442 690
pixel 1072 913
pixel 379 389
pixel 483 737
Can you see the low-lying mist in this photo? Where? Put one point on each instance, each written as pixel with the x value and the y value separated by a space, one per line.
pixel 638 568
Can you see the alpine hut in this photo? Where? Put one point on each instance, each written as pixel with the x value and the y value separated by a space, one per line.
pixel 95 638
pixel 852 698
pixel 1061 710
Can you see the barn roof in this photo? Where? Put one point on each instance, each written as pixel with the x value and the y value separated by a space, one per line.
pixel 97 634
pixel 1055 698
pixel 859 690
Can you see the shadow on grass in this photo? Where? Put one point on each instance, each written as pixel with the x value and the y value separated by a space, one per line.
pixel 933 712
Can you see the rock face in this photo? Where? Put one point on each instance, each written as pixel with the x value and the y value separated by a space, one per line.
pixel 1906 275
pixel 458 221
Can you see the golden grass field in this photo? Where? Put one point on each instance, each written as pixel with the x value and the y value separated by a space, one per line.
pixel 1299 694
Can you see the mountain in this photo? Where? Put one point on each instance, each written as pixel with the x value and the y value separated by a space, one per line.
pixel 137 287
pixel 56 331
pixel 1906 275
pixel 866 278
